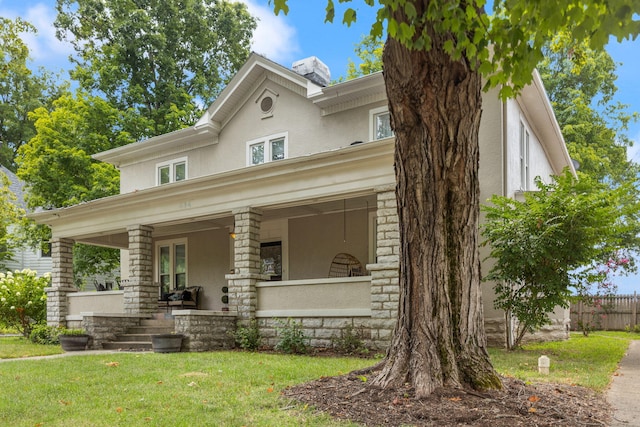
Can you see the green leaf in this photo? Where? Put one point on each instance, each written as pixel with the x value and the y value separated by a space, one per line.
pixel 349 17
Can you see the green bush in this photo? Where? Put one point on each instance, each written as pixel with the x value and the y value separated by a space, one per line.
pixel 248 337
pixel 23 302
pixel 350 341
pixel 43 334
pixel 292 338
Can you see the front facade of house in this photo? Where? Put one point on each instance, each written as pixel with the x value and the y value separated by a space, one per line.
pixel 280 204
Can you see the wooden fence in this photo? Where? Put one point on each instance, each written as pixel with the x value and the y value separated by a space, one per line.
pixel 615 313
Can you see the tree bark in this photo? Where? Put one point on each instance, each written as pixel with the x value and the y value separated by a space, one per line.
pixel 435 106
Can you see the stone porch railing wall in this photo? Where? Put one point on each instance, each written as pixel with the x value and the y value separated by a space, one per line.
pixel 319 331
pixel 205 330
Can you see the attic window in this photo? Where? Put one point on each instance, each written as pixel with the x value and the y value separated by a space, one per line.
pixel 267 102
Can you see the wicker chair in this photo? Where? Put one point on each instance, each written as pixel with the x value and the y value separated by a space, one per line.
pixel 345 265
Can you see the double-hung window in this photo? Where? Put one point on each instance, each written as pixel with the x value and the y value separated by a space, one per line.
pixel 172 264
pixel 267 149
pixel 171 171
pixel 379 124
pixel 524 157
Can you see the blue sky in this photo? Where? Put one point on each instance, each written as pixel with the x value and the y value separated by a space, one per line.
pixel 302 33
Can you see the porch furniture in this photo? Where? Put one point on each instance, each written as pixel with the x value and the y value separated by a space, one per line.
pixel 187 298
pixel 345 265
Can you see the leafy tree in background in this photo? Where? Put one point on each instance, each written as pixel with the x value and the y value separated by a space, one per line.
pixel 435 57
pixel 21 90
pixel 580 82
pixel 553 244
pixel 369 50
pixel 58 170
pixel 158 61
pixel 10 214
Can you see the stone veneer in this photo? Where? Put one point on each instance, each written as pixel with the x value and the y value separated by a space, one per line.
pixel 319 331
pixel 494 328
pixel 242 282
pixel 385 290
pixel 62 280
pixel 104 327
pixel 205 330
pixel 140 293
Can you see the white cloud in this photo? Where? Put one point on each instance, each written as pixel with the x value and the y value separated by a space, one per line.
pixel 633 152
pixel 44 47
pixel 273 37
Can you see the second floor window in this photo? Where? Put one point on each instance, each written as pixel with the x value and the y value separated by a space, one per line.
pixel 380 124
pixel 171 171
pixel 268 149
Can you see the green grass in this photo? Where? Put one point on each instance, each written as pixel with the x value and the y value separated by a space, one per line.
pixel 17 347
pixel 585 361
pixel 177 389
pixel 231 388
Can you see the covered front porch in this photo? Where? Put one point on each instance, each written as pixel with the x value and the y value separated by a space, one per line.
pixel 257 251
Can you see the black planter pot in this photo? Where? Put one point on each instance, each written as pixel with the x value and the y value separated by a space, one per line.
pixel 166 343
pixel 74 342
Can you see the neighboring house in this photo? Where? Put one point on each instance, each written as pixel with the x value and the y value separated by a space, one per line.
pixel 283 195
pixel 25 258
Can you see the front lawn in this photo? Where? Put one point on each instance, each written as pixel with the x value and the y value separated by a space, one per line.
pixel 585 361
pixel 16 347
pixel 176 389
pixel 232 388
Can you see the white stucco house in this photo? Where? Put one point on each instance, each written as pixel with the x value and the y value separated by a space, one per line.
pixel 280 177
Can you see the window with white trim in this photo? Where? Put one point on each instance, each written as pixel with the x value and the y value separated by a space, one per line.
pixel 267 149
pixel 171 264
pixel 171 171
pixel 379 124
pixel 524 157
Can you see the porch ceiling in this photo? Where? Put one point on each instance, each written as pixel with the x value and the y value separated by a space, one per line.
pixel 199 224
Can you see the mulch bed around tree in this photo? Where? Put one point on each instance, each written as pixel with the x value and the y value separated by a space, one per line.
pixel 517 404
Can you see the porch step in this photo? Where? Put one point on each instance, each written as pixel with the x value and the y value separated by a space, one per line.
pixel 138 338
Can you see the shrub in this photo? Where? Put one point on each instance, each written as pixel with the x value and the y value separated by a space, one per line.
pixel 350 341
pixel 248 337
pixel 23 302
pixel 43 334
pixel 292 338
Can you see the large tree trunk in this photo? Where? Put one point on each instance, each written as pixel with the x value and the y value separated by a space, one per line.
pixel 435 106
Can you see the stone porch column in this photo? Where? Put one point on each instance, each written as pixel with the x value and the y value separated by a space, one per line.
pixel 61 281
pixel 385 272
pixel 246 272
pixel 140 293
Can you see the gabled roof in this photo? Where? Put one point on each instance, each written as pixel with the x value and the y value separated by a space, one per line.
pixel 256 70
pixel 16 186
pixel 236 94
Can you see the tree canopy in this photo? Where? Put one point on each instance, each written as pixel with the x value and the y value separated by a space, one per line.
pixel 580 82
pixel 160 61
pixel 21 90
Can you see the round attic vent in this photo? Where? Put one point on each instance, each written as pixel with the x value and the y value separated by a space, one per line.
pixel 266 104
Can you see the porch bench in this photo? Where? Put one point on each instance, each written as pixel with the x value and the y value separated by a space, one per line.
pixel 187 298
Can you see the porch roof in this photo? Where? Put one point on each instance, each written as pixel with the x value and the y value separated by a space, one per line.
pixel 208 202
